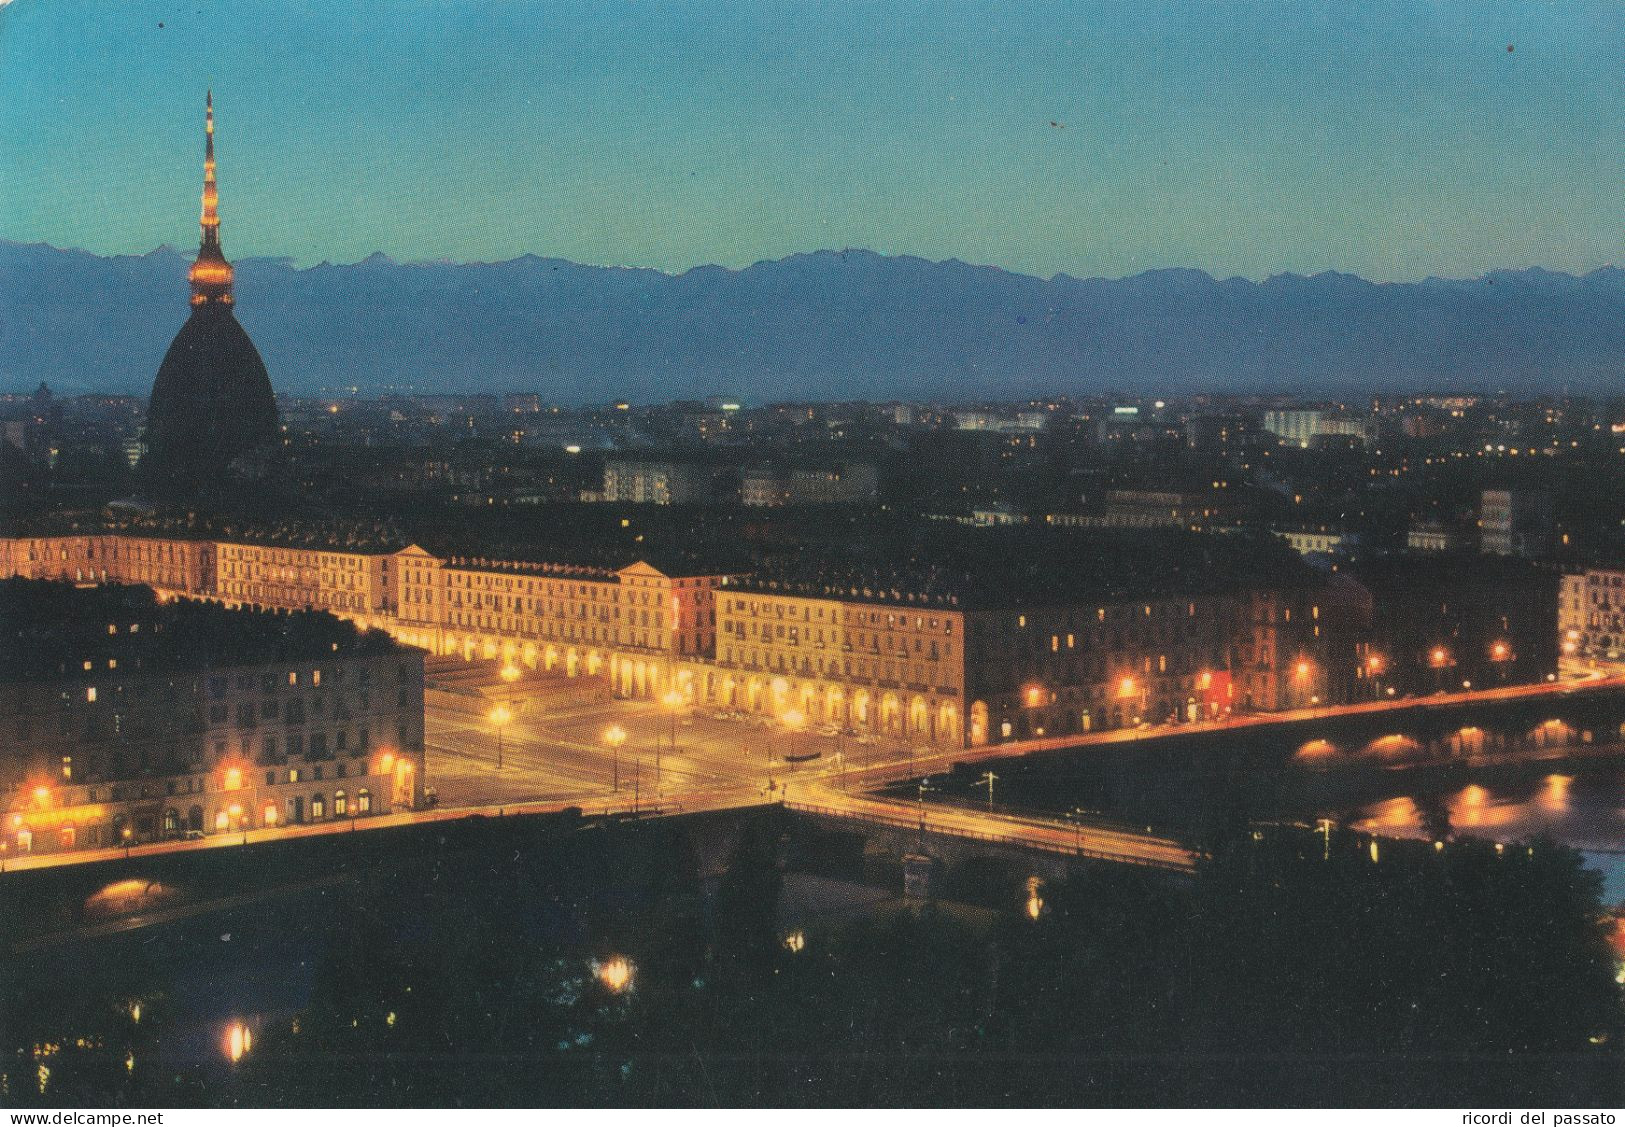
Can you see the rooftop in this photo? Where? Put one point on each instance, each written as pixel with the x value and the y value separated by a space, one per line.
pixel 1029 566
pixel 50 629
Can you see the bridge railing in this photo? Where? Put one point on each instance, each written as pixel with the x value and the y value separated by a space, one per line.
pixel 1071 850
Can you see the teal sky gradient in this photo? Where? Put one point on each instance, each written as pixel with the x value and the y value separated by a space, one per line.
pixel 1390 140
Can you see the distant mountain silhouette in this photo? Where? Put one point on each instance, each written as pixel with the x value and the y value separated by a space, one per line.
pixel 831 324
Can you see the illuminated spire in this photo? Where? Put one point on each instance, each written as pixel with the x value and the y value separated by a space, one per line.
pixel 211 273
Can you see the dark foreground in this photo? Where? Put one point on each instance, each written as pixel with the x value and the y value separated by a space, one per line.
pixel 546 961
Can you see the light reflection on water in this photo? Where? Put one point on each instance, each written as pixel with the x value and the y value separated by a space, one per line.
pixel 1583 811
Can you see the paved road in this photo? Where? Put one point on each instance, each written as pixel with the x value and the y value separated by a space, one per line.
pixel 699 762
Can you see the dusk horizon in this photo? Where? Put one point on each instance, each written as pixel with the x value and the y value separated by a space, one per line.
pixel 1090 140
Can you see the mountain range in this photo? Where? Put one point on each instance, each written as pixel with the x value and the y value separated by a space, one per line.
pixel 824 325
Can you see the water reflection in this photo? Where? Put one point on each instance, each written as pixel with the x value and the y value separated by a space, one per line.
pixel 239 1041
pixel 1585 811
pixel 1035 902
pixel 615 973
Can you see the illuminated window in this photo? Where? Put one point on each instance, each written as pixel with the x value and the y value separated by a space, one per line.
pixel 90 694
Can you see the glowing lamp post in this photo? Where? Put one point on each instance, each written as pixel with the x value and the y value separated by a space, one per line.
pixel 673 700
pixel 614 737
pixel 1128 689
pixel 1501 654
pixel 1439 659
pixel 989 778
pixel 1303 676
pixel 500 715
pixel 1373 670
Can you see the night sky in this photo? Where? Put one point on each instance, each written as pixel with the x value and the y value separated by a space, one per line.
pixel 1394 141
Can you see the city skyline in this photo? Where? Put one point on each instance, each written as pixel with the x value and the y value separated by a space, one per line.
pixel 1401 143
pixel 909 555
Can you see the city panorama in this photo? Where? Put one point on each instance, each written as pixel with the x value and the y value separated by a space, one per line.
pixel 702 556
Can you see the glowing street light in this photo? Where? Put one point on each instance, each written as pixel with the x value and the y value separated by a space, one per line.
pixel 1500 655
pixel 614 737
pixel 1439 659
pixel 673 700
pixel 989 778
pixel 500 715
pixel 793 719
pixel 1375 666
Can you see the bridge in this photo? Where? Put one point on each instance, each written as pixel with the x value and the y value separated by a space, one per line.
pixel 1081 841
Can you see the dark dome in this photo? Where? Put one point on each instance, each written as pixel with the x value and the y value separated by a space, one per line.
pixel 211 403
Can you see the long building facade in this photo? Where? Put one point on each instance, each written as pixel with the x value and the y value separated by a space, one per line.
pixel 892 663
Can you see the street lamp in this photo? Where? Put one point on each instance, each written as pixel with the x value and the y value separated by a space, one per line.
pixel 615 736
pixel 925 785
pixel 673 700
pixel 1500 655
pixel 793 720
pixel 1373 672
pixel 989 778
pixel 1128 689
pixel 1439 659
pixel 500 715
pixel 1303 673
pixel 1076 817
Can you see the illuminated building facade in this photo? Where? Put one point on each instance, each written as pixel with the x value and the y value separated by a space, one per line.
pixel 909 665
pixel 929 670
pixel 881 667
pixel 358 584
pixel 128 720
pixel 176 567
pixel 656 482
pixel 635 626
pixel 1591 615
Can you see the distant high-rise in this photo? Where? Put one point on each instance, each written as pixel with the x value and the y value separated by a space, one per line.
pixel 212 402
